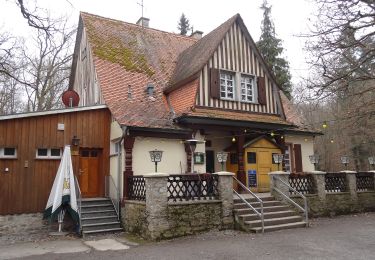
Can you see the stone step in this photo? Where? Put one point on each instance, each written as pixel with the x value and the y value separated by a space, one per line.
pixel 265 209
pixel 238 200
pixel 97 209
pixel 93 220
pixel 257 204
pixel 89 201
pixel 100 226
pixel 273 221
pixel 299 224
pixel 268 215
pixel 98 213
pixel 105 204
pixel 104 230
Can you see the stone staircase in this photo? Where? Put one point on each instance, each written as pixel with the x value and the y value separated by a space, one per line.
pixel 99 216
pixel 277 215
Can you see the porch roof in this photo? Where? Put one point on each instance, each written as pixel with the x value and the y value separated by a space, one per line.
pixel 205 116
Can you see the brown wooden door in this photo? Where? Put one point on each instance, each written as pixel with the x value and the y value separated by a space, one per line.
pixel 89 169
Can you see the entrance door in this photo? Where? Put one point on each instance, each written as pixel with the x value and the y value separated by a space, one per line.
pixel 264 167
pixel 210 162
pixel 89 168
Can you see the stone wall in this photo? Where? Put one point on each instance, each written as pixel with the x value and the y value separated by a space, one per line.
pixel 134 215
pixel 156 218
pixel 326 203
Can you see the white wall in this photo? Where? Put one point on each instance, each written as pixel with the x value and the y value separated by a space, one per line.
pixel 307 148
pixel 115 136
pixel 173 160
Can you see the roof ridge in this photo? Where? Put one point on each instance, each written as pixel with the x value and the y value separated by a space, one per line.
pixel 138 26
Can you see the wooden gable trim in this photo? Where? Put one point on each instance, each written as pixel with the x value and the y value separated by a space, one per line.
pixel 76 53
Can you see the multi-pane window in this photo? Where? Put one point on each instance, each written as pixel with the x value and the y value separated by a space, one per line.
pixel 45 153
pixel 247 88
pixel 8 152
pixel 227 85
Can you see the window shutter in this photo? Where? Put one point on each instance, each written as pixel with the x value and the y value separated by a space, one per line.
pixel 297 157
pixel 262 99
pixel 214 83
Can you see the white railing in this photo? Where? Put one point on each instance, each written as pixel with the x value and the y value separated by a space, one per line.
pixel 79 202
pixel 304 210
pixel 112 192
pixel 259 214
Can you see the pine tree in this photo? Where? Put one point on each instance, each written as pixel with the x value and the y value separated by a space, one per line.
pixel 183 25
pixel 271 49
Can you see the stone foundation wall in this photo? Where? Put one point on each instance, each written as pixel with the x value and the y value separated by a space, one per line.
pixel 190 218
pixel 156 218
pixel 133 214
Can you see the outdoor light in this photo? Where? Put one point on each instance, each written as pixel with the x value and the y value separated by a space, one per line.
pixel 278 158
pixel 75 141
pixel 314 159
pixel 272 134
pixel 371 161
pixel 325 124
pixel 345 160
pixel 193 145
pixel 222 158
pixel 233 139
pixel 156 157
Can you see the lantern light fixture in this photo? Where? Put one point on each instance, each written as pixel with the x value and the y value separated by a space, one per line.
pixel 314 159
pixel 156 156
pixel 75 141
pixel 222 157
pixel 324 124
pixel 371 161
pixel 345 160
pixel 278 158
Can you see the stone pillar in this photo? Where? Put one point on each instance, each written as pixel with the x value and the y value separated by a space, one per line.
pixel 277 184
pixel 352 183
pixel 156 204
pixel 225 188
pixel 320 183
pixel 373 172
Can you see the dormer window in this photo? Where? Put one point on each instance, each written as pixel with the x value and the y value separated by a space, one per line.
pixel 247 88
pixel 227 83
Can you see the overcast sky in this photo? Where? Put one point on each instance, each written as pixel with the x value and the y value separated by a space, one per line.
pixel 290 17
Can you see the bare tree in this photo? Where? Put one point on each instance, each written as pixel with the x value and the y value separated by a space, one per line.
pixel 342 45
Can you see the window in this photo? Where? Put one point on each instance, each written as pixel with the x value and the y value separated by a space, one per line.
pixel 8 152
pixel 247 88
pixel 48 153
pixel 251 157
pixel 233 158
pixel 227 84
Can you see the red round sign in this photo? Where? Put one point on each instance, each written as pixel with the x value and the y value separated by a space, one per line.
pixel 70 98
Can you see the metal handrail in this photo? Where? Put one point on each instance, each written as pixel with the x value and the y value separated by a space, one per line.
pixel 115 199
pixel 304 210
pixel 259 214
pixel 79 200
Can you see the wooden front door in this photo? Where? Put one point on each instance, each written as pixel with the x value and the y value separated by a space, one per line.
pixel 264 167
pixel 89 172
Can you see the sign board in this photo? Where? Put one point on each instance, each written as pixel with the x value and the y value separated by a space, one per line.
pixel 252 178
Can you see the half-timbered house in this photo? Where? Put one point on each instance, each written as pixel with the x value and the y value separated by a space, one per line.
pixel 143 89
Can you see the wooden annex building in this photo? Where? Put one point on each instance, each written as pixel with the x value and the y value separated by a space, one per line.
pixel 31 146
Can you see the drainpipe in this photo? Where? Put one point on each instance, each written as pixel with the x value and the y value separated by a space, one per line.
pixel 119 167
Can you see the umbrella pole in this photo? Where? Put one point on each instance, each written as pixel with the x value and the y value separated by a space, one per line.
pixel 60 218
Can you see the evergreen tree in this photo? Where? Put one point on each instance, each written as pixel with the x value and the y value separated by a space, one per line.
pixel 183 25
pixel 271 49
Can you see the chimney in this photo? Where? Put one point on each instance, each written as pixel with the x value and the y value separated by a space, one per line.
pixel 143 21
pixel 197 34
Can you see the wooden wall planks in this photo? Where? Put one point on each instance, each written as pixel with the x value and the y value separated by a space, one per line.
pixel 26 189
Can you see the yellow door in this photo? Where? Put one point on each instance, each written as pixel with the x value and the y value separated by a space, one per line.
pixel 264 167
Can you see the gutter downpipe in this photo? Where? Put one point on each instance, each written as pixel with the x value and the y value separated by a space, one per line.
pixel 119 166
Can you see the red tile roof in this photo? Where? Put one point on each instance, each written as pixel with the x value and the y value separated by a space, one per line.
pixel 128 55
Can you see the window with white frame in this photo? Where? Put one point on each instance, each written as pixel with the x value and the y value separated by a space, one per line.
pixel 227 83
pixel 247 88
pixel 115 147
pixel 48 153
pixel 8 152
